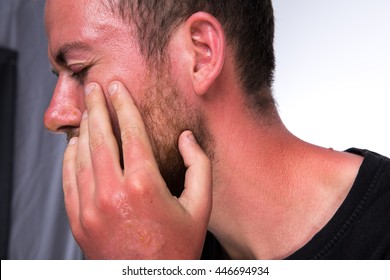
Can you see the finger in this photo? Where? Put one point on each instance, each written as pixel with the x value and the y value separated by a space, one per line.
pixel 69 181
pixel 84 171
pixel 135 141
pixel 102 142
pixel 197 195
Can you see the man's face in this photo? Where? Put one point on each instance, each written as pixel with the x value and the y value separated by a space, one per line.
pixel 88 42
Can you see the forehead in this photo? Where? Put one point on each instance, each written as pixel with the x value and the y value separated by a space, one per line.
pixel 90 22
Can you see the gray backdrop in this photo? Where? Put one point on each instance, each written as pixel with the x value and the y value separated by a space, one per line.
pixel 39 227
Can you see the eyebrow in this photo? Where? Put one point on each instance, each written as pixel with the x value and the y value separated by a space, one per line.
pixel 66 48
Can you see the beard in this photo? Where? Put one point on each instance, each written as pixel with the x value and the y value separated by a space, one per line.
pixel 167 114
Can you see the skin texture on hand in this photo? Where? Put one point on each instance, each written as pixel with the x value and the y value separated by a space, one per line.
pixel 129 213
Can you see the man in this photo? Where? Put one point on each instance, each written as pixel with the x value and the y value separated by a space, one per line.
pixel 138 82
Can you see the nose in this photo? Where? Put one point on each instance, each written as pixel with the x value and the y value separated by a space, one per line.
pixel 66 107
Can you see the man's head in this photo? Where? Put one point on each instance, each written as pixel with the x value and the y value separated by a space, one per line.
pixel 248 25
pixel 167 55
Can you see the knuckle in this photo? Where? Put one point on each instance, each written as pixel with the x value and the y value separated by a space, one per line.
pixel 68 160
pixel 93 102
pixel 137 184
pixel 76 230
pixel 88 219
pixel 67 188
pixel 121 101
pixel 143 180
pixel 140 188
pixel 66 163
pixel 96 141
pixel 205 161
pixel 208 163
pixel 82 166
pixel 129 133
pixel 103 202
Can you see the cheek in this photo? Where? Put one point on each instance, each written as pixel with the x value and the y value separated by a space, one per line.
pixel 106 73
pixel 132 76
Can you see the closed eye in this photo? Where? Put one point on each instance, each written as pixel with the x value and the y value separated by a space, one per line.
pixel 81 74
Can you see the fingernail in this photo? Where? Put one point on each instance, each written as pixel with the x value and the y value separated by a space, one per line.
pixel 191 137
pixel 85 114
pixel 112 88
pixel 89 88
pixel 73 140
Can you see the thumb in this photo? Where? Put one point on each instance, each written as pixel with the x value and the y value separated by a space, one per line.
pixel 197 195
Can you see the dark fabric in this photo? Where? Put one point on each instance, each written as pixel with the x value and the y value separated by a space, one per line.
pixel 7 115
pixel 360 228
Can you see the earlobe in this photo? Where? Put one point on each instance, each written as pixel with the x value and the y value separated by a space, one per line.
pixel 208 44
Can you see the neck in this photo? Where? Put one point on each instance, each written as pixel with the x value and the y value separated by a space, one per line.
pixel 269 187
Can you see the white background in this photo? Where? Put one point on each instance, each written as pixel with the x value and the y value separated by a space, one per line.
pixel 332 80
pixel 278 270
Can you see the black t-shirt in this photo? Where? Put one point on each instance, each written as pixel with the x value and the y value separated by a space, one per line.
pixel 360 229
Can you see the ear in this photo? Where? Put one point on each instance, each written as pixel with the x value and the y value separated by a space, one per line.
pixel 208 50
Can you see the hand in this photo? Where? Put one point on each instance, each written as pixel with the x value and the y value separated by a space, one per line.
pixel 129 213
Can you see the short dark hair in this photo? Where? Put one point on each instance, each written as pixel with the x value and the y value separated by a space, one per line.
pixel 248 24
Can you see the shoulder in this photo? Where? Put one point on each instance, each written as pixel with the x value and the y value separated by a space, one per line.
pixel 374 171
pixel 360 229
